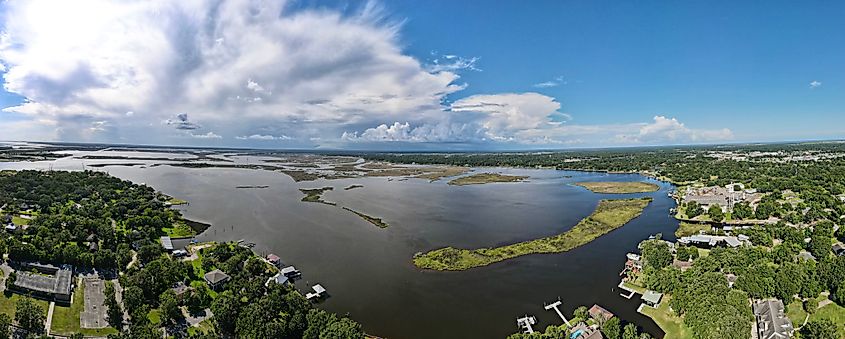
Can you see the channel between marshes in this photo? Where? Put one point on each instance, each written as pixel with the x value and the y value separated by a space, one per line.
pixel 608 216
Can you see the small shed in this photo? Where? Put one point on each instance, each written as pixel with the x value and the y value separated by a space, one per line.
pixel 652 298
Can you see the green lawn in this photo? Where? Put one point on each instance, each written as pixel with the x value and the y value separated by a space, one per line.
pixel 608 216
pixel 833 312
pixel 635 288
pixel 66 319
pixel 179 230
pixel 671 324
pixel 17 220
pixel 795 312
pixel 8 300
pixel 687 229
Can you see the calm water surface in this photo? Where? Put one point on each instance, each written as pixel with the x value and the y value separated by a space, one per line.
pixel 368 270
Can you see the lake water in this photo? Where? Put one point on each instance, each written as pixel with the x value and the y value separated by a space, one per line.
pixel 368 270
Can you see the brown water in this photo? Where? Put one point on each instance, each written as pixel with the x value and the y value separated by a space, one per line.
pixel 368 270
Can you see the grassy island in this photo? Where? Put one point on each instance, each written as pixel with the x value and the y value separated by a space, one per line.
pixel 623 187
pixel 370 219
pixel 352 187
pixel 485 178
pixel 316 195
pixel 608 216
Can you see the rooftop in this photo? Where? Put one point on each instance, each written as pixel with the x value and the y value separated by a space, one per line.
pixel 652 297
pixel 216 276
pixel 55 284
pixel 167 243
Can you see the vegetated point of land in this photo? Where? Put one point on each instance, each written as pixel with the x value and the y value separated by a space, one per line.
pixel 316 195
pixel 370 219
pixel 485 178
pixel 619 187
pixel 608 216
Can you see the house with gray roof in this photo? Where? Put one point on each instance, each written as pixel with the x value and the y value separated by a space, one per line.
pixel 215 279
pixel 56 286
pixel 772 323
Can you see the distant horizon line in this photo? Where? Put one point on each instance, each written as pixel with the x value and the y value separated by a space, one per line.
pixel 342 150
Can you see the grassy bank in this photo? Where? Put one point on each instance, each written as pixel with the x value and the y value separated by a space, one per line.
pixel 619 187
pixel 485 178
pixel 686 229
pixel 608 216
pixel 671 324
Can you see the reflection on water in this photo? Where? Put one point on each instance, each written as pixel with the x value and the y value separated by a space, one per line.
pixel 368 270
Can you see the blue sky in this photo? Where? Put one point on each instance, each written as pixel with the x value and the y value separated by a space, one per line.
pixel 428 74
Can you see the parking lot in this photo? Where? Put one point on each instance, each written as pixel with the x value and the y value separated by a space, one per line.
pixel 94 312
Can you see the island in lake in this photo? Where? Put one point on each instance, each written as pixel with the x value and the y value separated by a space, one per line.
pixel 485 178
pixel 608 216
pixel 370 219
pixel 316 195
pixel 619 187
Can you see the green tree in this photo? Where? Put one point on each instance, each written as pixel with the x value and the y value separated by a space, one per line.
pixel 5 326
pixel 581 313
pixel 819 329
pixel 114 312
pixel 742 211
pixel 715 213
pixel 611 328
pixel 225 310
pixel 317 321
pixel 169 307
pixel 630 331
pixel 693 209
pixel 29 315
pixel 656 254
pixel 344 328
pixel 811 305
pixel 133 297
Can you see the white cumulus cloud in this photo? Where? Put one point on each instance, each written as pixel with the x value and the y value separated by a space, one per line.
pixel 234 65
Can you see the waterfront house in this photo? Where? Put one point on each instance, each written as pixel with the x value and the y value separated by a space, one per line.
pixel 599 313
pixel 582 331
pixel 652 298
pixel 215 279
pixel 274 259
pixel 772 323
pixel 279 279
pixel 708 241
